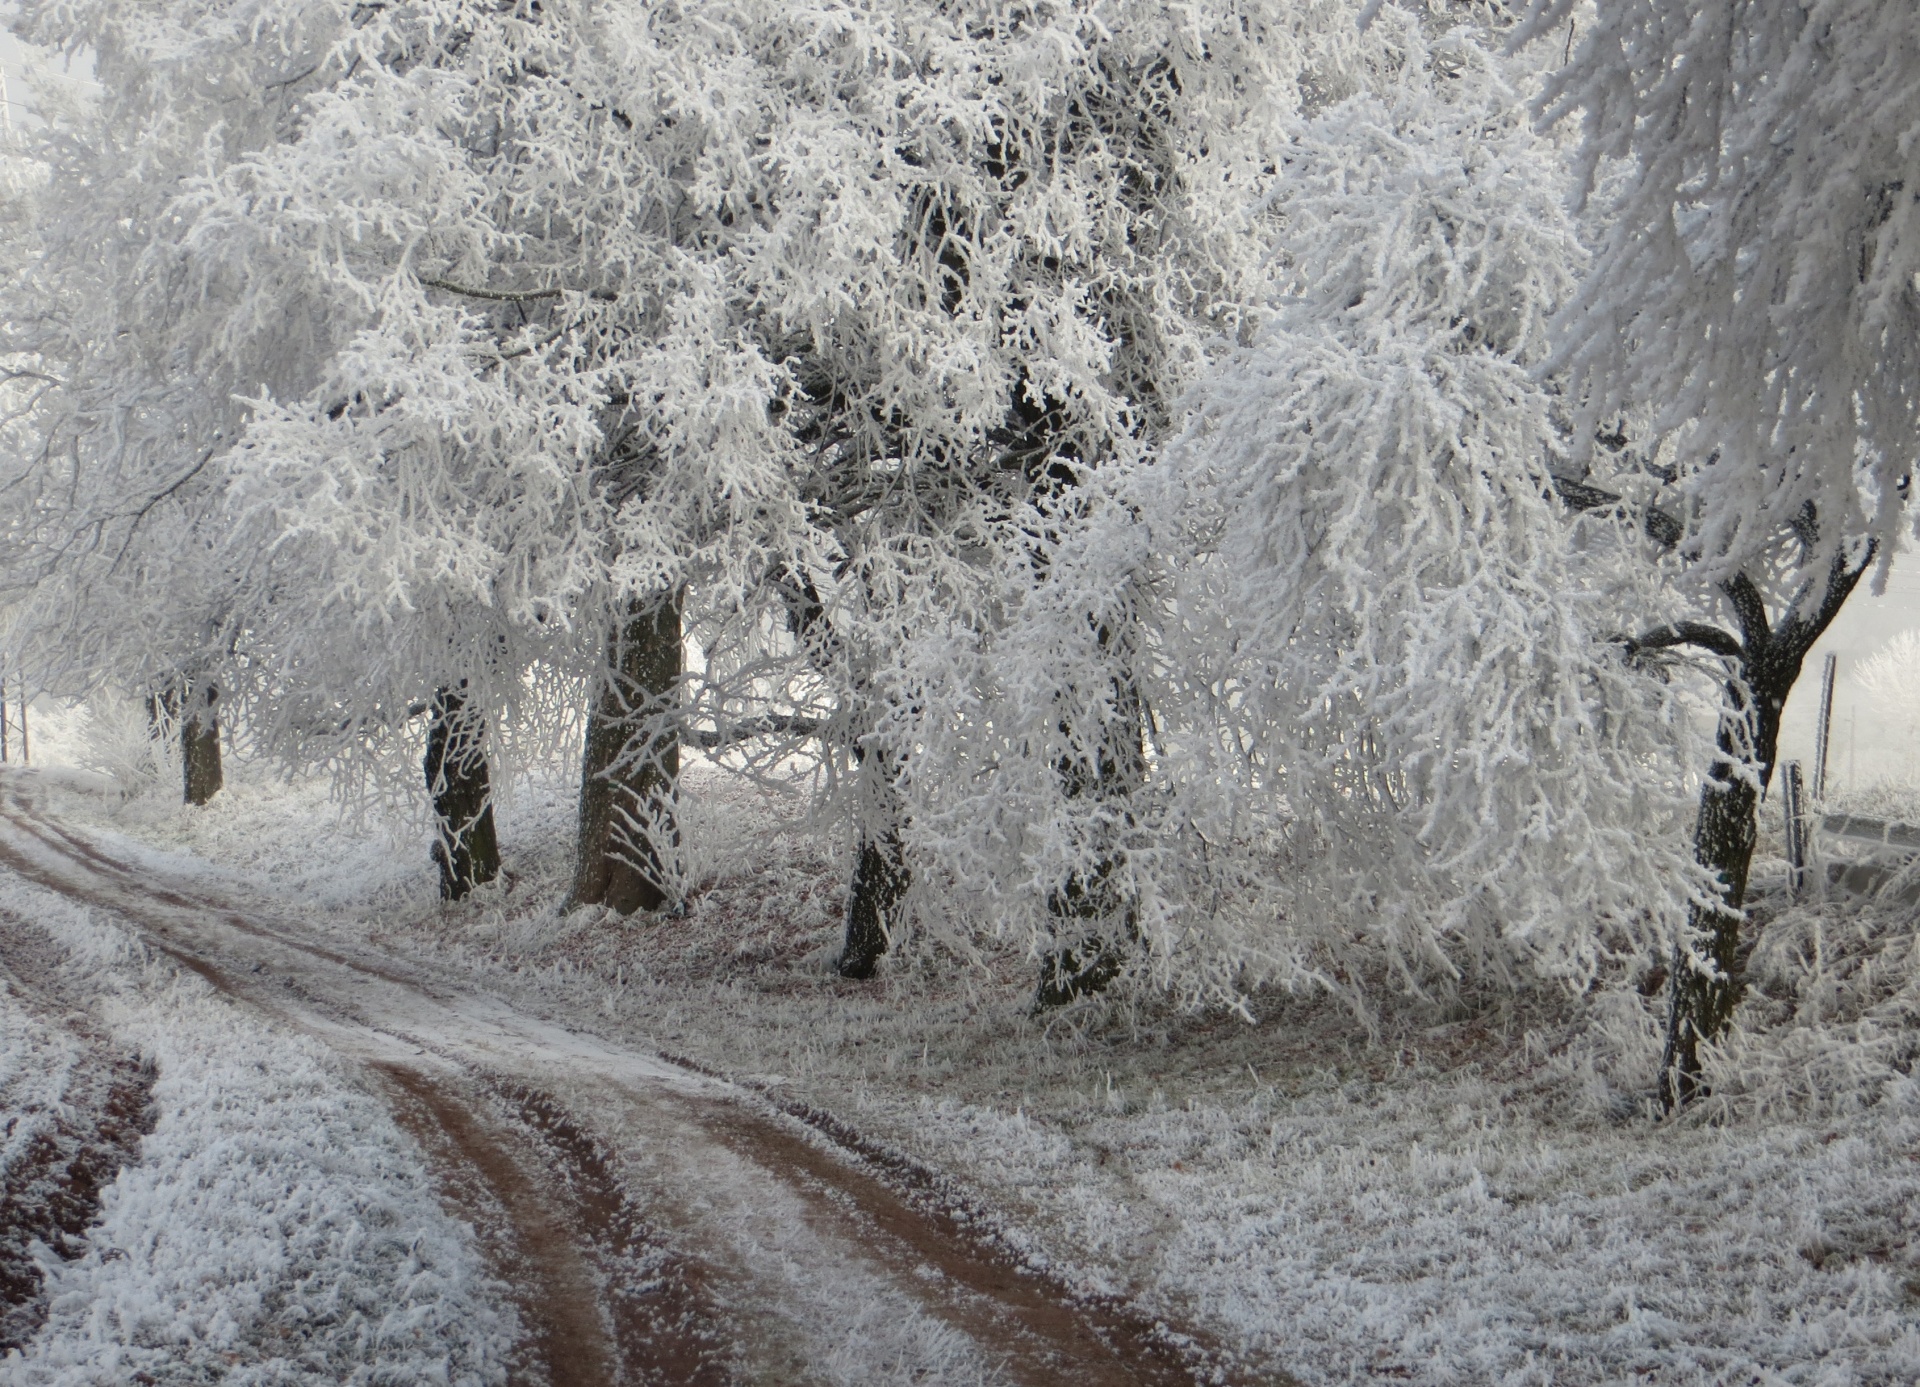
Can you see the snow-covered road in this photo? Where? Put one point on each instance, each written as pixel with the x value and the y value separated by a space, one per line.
pixel 654 1224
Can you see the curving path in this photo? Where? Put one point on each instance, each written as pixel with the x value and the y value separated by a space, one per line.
pixel 658 1224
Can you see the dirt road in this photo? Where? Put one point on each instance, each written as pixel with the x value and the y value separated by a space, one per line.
pixel 658 1225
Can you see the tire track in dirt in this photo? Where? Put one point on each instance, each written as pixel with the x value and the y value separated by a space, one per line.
pixel 535 1254
pixel 50 1192
pixel 918 1223
pixel 604 1297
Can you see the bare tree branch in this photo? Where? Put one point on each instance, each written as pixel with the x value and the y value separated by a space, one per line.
pixel 1700 633
pixel 773 726
pixel 496 295
pixel 1661 527
pixel 515 295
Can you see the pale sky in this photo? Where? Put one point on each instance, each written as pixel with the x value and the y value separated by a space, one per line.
pixel 12 70
pixel 1864 751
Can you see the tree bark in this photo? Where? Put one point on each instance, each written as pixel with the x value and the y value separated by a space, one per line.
pixel 1705 983
pixel 465 847
pixel 200 746
pixel 1706 988
pixel 877 894
pixel 628 836
pixel 1093 918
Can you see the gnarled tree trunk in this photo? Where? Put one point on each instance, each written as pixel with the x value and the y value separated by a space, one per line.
pixel 631 769
pixel 465 847
pixel 1705 990
pixel 1705 983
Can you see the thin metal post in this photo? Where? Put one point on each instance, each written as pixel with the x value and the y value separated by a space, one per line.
pixel 1823 736
pixel 1797 829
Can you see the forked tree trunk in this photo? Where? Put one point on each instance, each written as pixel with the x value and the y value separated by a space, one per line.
pixel 877 894
pixel 465 846
pixel 628 834
pixel 1705 986
pixel 200 746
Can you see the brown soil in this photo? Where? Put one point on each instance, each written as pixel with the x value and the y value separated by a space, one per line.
pixel 523 1228
pixel 546 1202
pixel 604 1298
pixel 920 1219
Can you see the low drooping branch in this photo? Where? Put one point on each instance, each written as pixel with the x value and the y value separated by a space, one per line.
pixel 1661 527
pixel 773 725
pixel 513 295
pixel 1703 634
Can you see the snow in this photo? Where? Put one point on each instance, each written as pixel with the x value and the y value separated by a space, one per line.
pixel 1477 1194
pixel 278 1228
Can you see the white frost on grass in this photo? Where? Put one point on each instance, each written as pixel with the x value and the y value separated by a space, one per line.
pixel 1415 1230
pixel 1457 1199
pixel 278 1228
pixel 35 1062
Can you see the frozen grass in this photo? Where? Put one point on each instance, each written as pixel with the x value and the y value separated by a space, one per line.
pixel 277 1228
pixel 35 1061
pixel 1898 800
pixel 1469 1191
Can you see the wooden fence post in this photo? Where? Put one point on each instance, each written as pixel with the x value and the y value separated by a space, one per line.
pixel 1799 829
pixel 1823 735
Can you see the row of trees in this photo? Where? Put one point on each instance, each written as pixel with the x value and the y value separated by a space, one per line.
pixel 1225 489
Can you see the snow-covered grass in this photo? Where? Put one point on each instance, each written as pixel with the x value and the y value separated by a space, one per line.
pixel 35 1060
pixel 1469 1190
pixel 277 1227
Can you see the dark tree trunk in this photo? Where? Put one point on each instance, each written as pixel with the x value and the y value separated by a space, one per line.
pixel 877 894
pixel 1093 917
pixel 631 768
pixel 1701 999
pixel 1705 986
pixel 200 746
pixel 465 847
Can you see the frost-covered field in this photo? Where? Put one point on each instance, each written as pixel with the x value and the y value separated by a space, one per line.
pixel 1469 1194
pixel 276 1227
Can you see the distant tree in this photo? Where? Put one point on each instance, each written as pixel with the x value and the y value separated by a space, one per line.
pixel 111 551
pixel 1890 678
pixel 1751 321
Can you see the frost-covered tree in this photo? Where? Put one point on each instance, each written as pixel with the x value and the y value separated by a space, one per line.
pixel 1890 677
pixel 1002 236
pixel 1364 648
pixel 1398 638
pixel 520 416
pixel 109 542
pixel 1751 321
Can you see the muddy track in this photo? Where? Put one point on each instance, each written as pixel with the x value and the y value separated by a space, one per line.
pixel 50 1192
pixel 658 1225
pixel 495 1179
